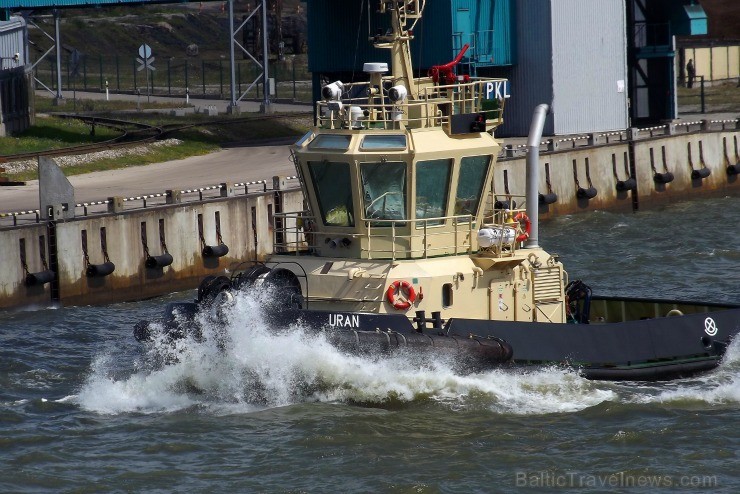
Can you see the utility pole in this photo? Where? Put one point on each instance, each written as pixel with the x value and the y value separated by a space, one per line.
pixel 232 109
pixel 57 41
pixel 265 106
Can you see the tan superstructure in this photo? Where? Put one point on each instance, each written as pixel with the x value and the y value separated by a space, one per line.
pixel 397 177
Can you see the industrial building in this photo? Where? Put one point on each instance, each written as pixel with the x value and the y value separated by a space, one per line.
pixel 602 65
pixel 15 80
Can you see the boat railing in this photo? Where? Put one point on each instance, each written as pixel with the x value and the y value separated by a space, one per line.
pixel 297 233
pixel 505 216
pixel 434 106
pixel 293 232
pixel 428 237
pixel 498 206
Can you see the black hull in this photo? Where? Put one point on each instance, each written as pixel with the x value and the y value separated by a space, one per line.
pixel 650 349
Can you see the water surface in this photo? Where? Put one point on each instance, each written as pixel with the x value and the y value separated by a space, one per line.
pixel 84 408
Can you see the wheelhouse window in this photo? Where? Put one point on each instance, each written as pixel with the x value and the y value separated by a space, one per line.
pixel 333 185
pixel 384 190
pixel 330 141
pixel 383 141
pixel 473 171
pixel 432 185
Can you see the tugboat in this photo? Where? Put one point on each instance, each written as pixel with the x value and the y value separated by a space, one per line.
pixel 406 244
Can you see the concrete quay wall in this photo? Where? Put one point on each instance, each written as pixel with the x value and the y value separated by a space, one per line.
pixel 621 174
pixel 70 246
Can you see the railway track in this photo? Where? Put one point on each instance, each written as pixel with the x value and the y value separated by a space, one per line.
pixel 132 133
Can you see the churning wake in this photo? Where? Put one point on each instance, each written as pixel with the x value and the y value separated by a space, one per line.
pixel 248 366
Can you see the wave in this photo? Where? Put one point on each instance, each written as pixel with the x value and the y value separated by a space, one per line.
pixel 247 366
pixel 718 388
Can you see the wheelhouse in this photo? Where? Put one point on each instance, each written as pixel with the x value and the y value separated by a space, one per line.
pixel 380 196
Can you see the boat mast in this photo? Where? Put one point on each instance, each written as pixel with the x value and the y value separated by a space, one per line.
pixel 398 41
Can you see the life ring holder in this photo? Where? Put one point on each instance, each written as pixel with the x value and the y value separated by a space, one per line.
pixel 525 225
pixel 401 285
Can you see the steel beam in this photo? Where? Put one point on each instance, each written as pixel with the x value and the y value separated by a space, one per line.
pixel 58 44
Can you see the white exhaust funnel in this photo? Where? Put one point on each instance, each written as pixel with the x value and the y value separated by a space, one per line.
pixel 533 173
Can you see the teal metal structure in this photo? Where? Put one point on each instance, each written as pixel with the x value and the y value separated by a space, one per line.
pixel 690 20
pixel 339 31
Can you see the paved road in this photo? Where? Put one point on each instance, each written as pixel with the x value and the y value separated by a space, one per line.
pixel 237 164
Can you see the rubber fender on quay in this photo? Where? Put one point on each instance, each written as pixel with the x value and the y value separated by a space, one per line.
pixel 663 178
pixel 701 173
pixel 625 185
pixel 215 250
pixel 100 270
pixel 733 169
pixel 158 261
pixel 589 193
pixel 550 198
pixel 40 278
pixel 504 205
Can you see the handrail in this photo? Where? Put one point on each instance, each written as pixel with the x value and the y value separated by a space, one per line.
pixel 16 218
pixel 433 239
pixel 433 106
pixel 299 237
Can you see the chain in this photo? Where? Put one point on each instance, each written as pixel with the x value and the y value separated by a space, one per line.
pixel 143 240
pixel 42 252
pixel 84 248
pixel 218 229
pixel 161 238
pixel 200 232
pixel 104 245
pixel 588 174
pixel 23 255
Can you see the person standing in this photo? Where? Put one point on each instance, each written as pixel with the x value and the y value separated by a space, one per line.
pixel 691 73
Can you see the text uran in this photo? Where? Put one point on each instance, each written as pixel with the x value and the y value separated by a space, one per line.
pixel 342 320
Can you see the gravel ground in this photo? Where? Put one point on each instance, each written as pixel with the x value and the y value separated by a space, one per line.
pixel 81 159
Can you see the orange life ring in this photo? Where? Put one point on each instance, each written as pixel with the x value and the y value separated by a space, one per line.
pixel 410 294
pixel 526 226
